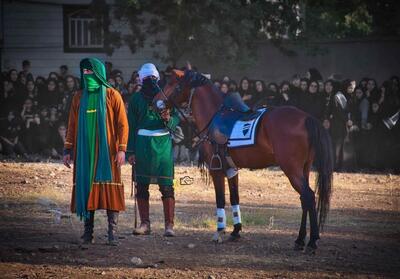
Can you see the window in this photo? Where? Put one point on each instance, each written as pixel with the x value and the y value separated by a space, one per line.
pixel 81 34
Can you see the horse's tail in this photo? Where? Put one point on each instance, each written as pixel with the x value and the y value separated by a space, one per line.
pixel 320 141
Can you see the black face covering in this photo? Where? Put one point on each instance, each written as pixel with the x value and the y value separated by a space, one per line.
pixel 150 89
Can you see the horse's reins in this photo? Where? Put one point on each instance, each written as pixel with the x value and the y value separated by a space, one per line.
pixel 193 127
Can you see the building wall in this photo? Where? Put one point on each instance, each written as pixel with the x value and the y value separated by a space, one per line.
pixel 34 31
pixel 356 59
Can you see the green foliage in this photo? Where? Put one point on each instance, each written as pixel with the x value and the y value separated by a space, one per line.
pixel 342 19
pixel 215 30
pixel 229 31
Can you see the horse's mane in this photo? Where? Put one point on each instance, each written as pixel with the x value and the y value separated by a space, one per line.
pixel 195 80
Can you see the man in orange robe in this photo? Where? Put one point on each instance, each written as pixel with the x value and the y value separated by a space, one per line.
pixel 96 140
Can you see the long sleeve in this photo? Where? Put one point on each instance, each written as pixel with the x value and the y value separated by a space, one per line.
pixel 122 122
pixel 73 118
pixel 132 120
pixel 173 121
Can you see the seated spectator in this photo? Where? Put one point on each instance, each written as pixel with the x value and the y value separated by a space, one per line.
pixel 26 69
pixel 53 75
pixel 295 90
pixel 21 81
pixel 363 84
pixel 314 101
pixel 57 141
pixel 217 84
pixel 372 91
pixel 31 93
pixel 27 110
pixel 246 92
pixel 233 86
pixel 120 85
pixel 224 87
pixel 18 89
pixel 40 83
pixel 377 138
pixel 9 100
pixel 301 100
pixel 285 94
pixel 111 81
pixel 63 72
pixel 131 88
pixel 50 96
pixel 273 87
pixel 135 77
pixel 259 90
pixel 10 137
pixel 31 134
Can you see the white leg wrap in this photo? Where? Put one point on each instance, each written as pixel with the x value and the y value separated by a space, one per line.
pixel 237 218
pixel 221 218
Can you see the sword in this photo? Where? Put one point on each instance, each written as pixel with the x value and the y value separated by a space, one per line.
pixel 133 192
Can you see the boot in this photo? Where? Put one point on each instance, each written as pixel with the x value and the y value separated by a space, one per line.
pixel 112 217
pixel 169 212
pixel 88 229
pixel 144 208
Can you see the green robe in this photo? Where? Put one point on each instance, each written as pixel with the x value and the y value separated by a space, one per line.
pixel 154 154
pixel 91 114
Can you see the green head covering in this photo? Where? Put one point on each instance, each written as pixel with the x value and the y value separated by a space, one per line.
pixel 98 68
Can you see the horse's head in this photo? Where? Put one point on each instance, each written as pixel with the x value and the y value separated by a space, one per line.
pixel 176 91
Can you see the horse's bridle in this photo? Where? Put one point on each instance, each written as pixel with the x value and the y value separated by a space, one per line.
pixel 178 90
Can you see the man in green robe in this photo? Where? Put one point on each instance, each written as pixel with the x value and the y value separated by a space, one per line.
pixel 150 149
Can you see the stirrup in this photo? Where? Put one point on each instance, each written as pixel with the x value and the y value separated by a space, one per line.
pixel 219 161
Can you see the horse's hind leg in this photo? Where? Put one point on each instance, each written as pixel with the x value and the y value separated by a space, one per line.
pixel 308 202
pixel 219 187
pixel 295 174
pixel 234 199
pixel 299 243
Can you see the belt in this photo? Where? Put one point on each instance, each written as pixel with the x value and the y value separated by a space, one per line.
pixel 153 133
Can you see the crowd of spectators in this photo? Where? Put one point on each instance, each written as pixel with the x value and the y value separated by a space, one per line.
pixel 361 116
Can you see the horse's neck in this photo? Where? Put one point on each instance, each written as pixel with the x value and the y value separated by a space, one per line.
pixel 205 103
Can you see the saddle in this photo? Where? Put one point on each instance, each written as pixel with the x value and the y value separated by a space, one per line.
pixel 220 129
pixel 232 110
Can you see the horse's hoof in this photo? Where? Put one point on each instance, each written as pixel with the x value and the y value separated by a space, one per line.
pixel 298 247
pixel 310 250
pixel 217 237
pixel 234 237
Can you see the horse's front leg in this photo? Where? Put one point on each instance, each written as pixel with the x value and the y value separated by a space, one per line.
pixel 219 186
pixel 236 215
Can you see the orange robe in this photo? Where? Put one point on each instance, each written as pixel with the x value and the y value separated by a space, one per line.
pixel 108 195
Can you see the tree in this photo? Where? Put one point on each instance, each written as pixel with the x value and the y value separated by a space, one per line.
pixel 350 19
pixel 229 31
pixel 221 31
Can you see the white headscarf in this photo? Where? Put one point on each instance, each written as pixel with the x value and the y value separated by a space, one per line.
pixel 148 70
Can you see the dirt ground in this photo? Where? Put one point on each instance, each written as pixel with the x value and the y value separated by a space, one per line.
pixel 39 238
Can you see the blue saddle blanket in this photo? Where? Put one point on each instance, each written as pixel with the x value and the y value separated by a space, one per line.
pixel 244 131
pixel 235 128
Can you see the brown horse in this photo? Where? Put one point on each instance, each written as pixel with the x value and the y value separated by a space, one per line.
pixel 286 136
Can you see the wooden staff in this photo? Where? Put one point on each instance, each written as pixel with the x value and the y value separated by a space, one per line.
pixel 133 192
